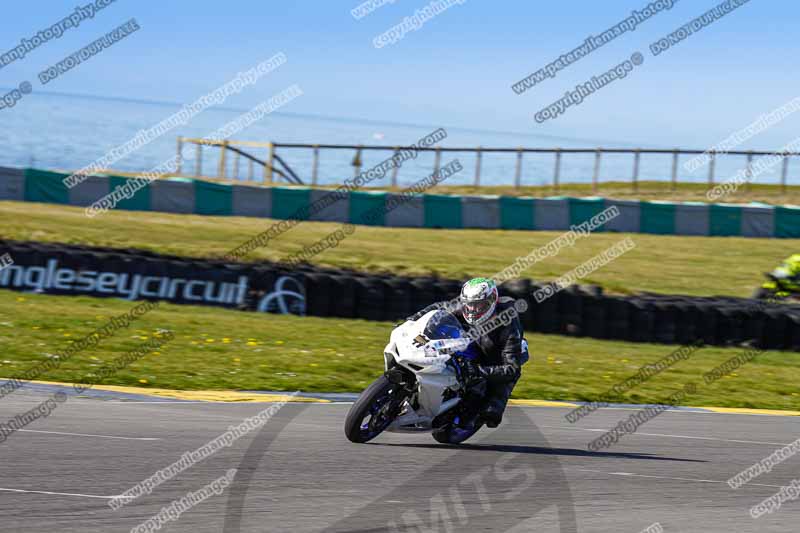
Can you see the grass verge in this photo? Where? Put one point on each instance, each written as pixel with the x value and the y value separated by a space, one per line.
pixel 225 350
pixel 666 264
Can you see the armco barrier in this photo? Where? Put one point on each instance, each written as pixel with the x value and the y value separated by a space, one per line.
pixel 327 292
pixel 188 196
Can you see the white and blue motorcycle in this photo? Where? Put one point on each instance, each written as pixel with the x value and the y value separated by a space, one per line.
pixel 425 387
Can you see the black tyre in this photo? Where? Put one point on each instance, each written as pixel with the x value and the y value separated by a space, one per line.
pixel 370 298
pixel 399 303
pixel 452 434
pixel 343 296
pixel 423 292
pixel 379 405
pixel 319 294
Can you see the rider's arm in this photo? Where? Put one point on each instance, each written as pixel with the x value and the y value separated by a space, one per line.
pixel 510 355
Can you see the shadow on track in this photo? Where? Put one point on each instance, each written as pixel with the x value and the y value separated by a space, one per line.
pixel 512 489
pixel 537 450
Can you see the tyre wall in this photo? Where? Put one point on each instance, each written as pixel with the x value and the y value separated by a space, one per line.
pixel 326 292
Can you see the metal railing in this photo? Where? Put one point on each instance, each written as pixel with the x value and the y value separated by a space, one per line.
pixel 269 165
pixel 273 159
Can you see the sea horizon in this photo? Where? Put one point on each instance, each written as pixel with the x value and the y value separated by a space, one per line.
pixel 88 126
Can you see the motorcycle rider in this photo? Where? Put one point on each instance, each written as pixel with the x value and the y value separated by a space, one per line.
pixel 785 280
pixel 503 349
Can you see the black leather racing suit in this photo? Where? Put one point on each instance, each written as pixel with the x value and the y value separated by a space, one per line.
pixel 501 356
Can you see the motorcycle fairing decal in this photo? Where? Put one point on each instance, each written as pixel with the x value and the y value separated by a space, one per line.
pixel 420 340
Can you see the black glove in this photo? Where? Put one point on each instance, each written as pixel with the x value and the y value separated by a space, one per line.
pixel 471 372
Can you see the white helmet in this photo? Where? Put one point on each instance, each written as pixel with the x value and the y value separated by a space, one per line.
pixel 478 300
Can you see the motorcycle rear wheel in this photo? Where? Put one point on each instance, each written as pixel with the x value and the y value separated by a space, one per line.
pixel 451 433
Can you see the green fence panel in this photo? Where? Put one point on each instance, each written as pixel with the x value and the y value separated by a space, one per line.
pixel 139 200
pixel 657 218
pixel 368 208
pixel 725 220
pixel 787 222
pixel 212 198
pixel 583 209
pixel 516 213
pixel 290 203
pixel 442 211
pixel 44 186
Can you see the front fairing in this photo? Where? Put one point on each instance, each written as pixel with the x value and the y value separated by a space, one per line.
pixel 422 348
pixel 429 359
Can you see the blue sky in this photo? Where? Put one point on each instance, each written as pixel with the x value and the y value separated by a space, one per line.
pixel 454 71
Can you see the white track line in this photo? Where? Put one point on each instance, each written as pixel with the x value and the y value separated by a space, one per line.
pixel 88 435
pixel 630 474
pixel 672 436
pixel 58 493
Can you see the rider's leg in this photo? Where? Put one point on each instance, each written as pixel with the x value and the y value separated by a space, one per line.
pixel 497 395
pixel 495 404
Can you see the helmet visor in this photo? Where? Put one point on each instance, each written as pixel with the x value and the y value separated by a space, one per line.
pixel 476 308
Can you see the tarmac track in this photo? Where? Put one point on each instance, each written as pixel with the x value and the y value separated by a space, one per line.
pixel 299 473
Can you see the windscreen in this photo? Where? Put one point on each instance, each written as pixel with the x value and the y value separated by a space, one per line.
pixel 443 325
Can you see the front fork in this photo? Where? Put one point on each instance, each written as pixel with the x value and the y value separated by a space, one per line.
pixel 404 387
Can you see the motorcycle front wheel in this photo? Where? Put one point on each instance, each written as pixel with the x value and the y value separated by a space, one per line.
pixel 374 411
